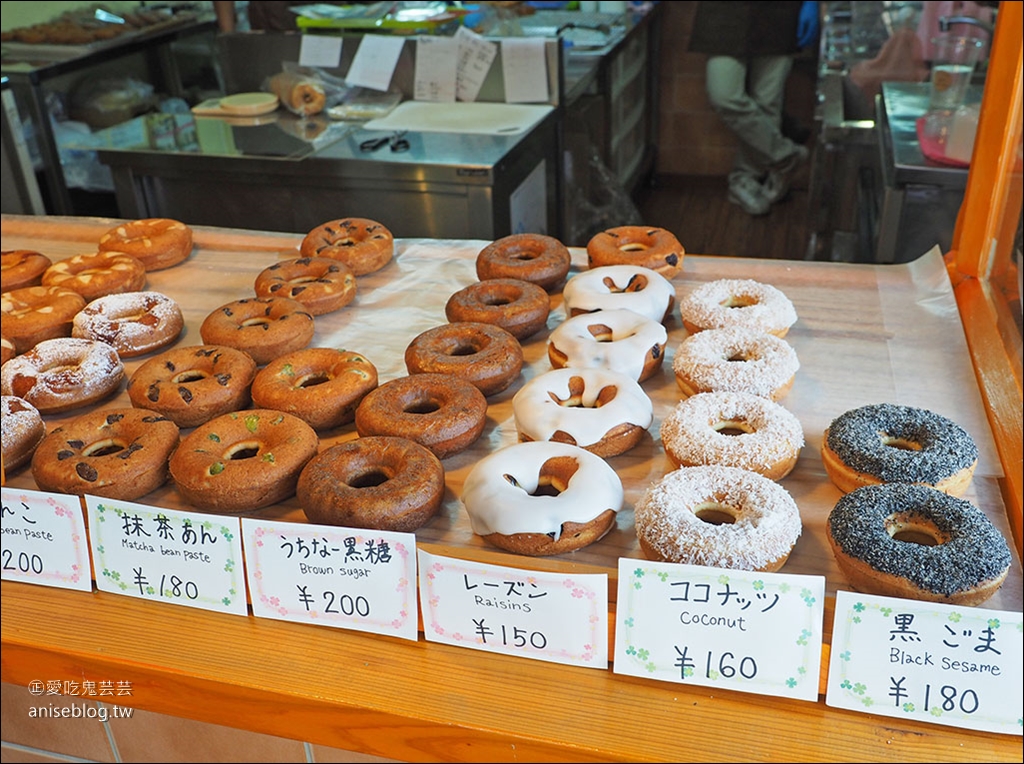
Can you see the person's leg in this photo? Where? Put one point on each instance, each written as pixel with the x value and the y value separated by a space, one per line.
pixel 779 156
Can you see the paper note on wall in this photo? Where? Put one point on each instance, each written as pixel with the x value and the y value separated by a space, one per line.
pixel 475 56
pixel 374 62
pixel 435 69
pixel 524 67
pixel 320 50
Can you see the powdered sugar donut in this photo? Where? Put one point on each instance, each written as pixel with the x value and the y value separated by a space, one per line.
pixel 735 360
pixel 21 431
pixel 632 287
pixel 609 339
pixel 62 374
pixel 134 323
pixel 737 303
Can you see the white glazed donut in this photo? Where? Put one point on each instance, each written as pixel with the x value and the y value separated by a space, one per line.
pixel 737 302
pixel 603 411
pixel 735 360
pixel 505 497
pixel 633 287
pixel 620 340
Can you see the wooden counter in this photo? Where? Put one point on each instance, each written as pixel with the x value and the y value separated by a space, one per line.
pixel 865 334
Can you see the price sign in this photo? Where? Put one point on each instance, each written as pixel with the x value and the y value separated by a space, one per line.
pixel 556 617
pixel 346 577
pixel 958 666
pixel 44 540
pixel 752 632
pixel 183 558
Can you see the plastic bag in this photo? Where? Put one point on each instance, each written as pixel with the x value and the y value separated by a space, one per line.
pixel 305 90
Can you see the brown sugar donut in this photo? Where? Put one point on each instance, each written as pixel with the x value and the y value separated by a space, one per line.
pixel 243 460
pixel 37 313
pixel 98 274
pixel 440 411
pixel 485 355
pixel 21 268
pixel 192 385
pixel 21 430
pixel 363 245
pixel 264 327
pixel 541 260
pixel 322 284
pixel 113 453
pixel 321 386
pixel 383 483
pixel 518 307
pixel 63 374
pixel 134 323
pixel 654 248
pixel 157 242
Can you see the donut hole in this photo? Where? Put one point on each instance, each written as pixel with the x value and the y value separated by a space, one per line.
pixel 463 349
pixel 899 443
pixel 258 321
pixel 192 375
pixel 369 479
pixel 633 246
pixel 312 379
pixel 732 427
pixel 421 406
pixel 715 513
pixel 492 300
pixel 103 448
pixel 245 450
pixel 912 530
pixel 739 301
pixel 600 332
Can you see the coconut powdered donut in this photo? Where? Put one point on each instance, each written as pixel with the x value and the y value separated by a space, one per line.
pixel 737 303
pixel 158 243
pixel 21 429
pixel 264 327
pixel 63 374
pixel 733 430
pixel 608 287
pixel 363 245
pixel 735 360
pixel 721 517
pixel 483 354
pixel 21 268
pixel 536 258
pixel 619 339
pixel 518 307
pixel 541 498
pixel 322 284
pixel 133 323
pixel 97 274
pixel 646 246
pixel 37 313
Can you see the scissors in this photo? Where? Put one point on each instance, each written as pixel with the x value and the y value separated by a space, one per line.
pixel 396 139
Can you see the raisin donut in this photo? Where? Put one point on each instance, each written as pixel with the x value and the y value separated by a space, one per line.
pixel 914 542
pixel 717 516
pixel 98 274
pixel 601 410
pixel 737 303
pixel 158 243
pixel 321 386
pixel 20 268
pixel 322 284
pixel 608 287
pixel 264 327
pixel 440 411
pixel 539 259
pixel 518 307
pixel 541 498
pixel 384 483
pixel 735 360
pixel 113 453
pixel 192 385
pixel 485 355
pixel 243 460
pixel 37 313
pixel 63 374
pixel 609 339
pixel 363 245
pixel 133 323
pixel 888 443
pixel 21 430
pixel 653 248
pixel 733 429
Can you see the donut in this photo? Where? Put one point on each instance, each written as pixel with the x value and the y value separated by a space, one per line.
pixel 192 385
pixel 7 350
pixel 264 327
pixel 20 268
pixel 914 542
pixel 737 303
pixel 608 287
pixel 735 360
pixel 321 386
pixel 21 430
pixel 889 443
pixel 63 374
pixel 363 245
pixel 158 243
pixel 322 284
pixel 440 411
pixel 37 313
pixel 518 307
pixel 133 323
pixel 98 274
pixel 734 430
pixel 243 460
pixel 539 259
pixel 719 517
pixel 300 94
pixel 601 410
pixel 485 355
pixel 541 498
pixel 653 248
pixel 383 483
pixel 616 339
pixel 114 453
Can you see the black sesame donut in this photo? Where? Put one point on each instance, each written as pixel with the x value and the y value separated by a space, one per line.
pixel 888 443
pixel 518 307
pixel 737 303
pixel 133 323
pixel 264 327
pixel 735 360
pixel 21 429
pixel 539 259
pixel 485 355
pixel 322 284
pixel 914 542
pixel 363 245
pixel 654 248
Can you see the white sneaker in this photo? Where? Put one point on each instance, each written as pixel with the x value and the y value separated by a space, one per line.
pixel 777 184
pixel 749 194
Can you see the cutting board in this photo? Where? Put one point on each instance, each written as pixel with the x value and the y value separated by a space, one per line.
pixel 462 117
pixel 238 105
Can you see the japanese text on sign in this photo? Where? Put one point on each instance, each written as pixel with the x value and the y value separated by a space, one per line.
pixel 44 540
